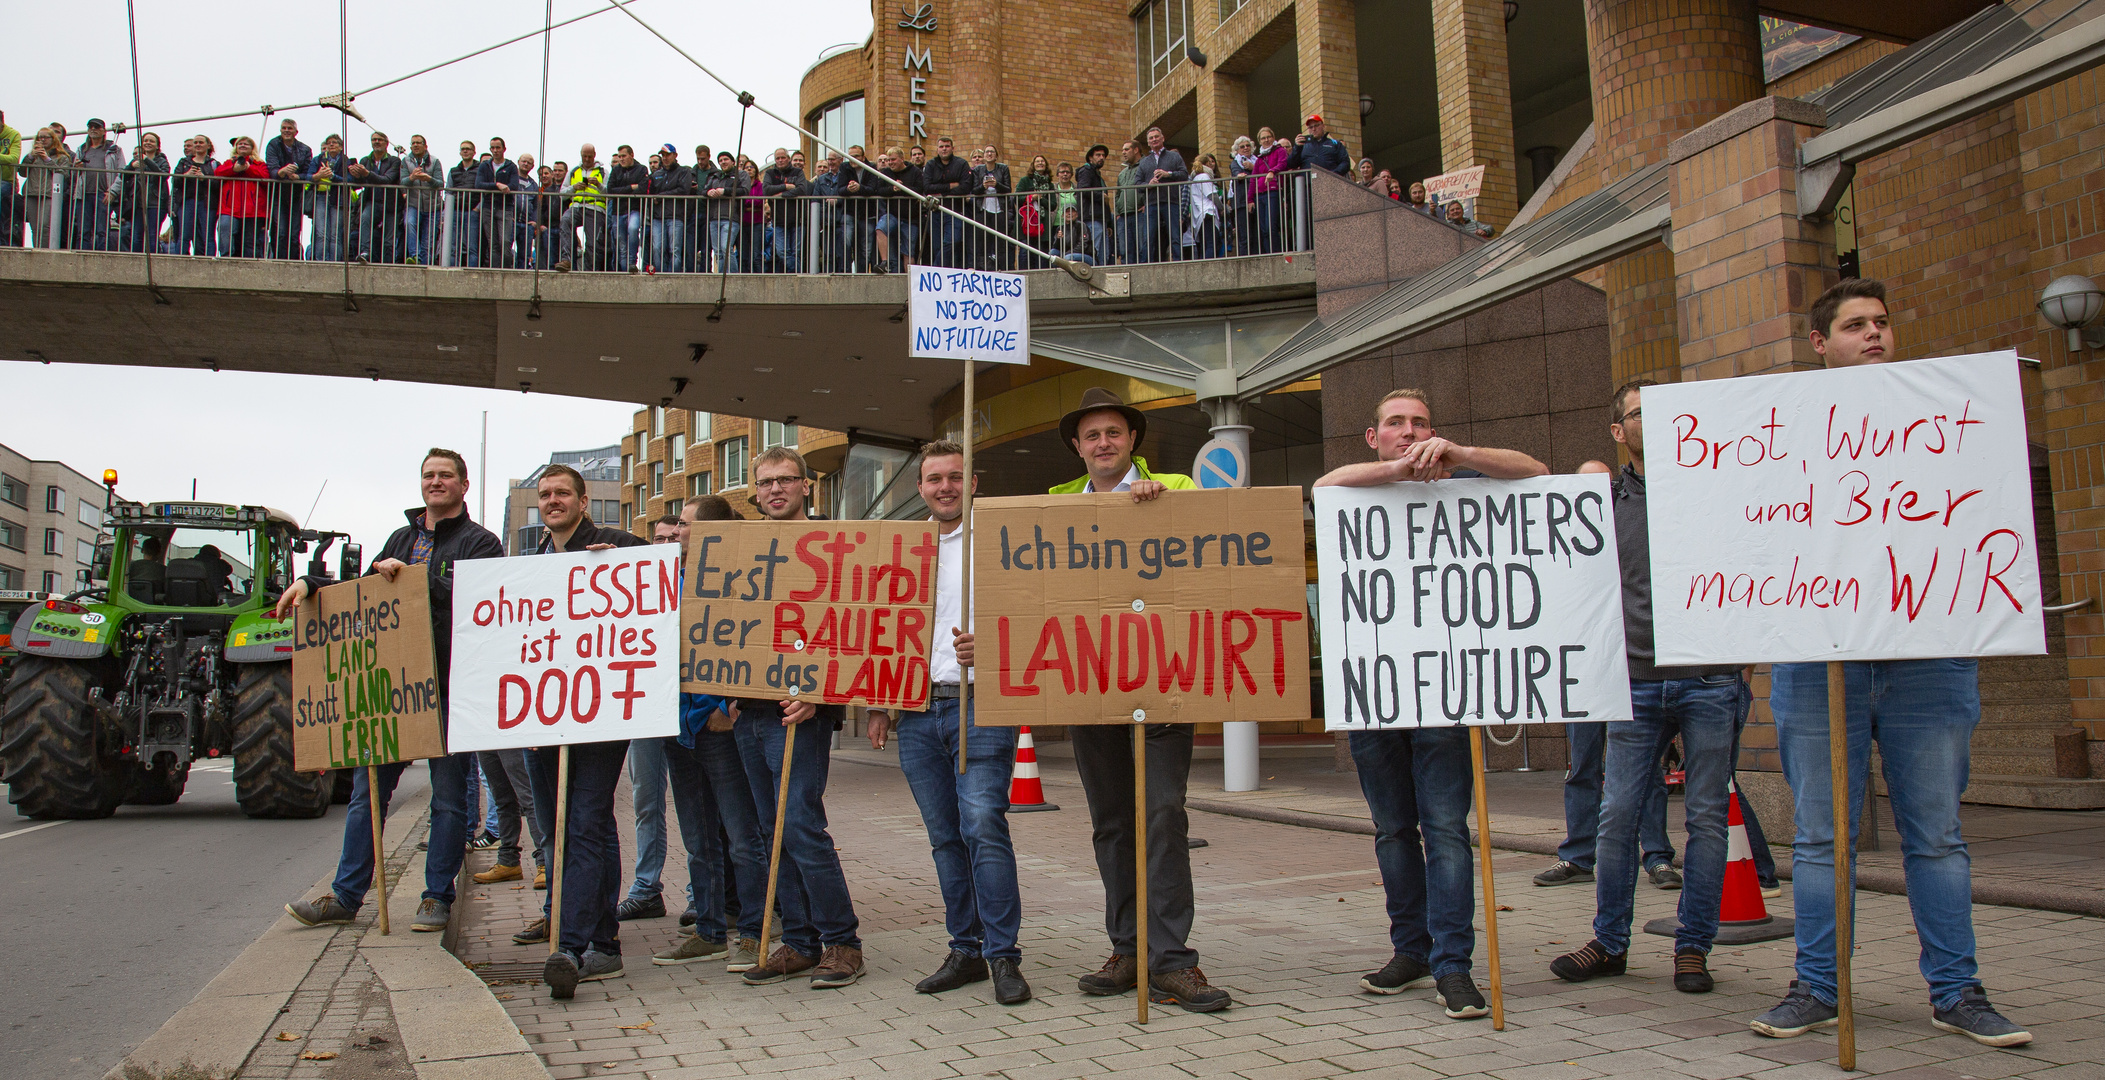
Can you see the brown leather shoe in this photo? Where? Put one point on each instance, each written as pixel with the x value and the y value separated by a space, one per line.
pixel 1188 988
pixel 497 873
pixel 839 965
pixel 780 965
pixel 540 877
pixel 1119 974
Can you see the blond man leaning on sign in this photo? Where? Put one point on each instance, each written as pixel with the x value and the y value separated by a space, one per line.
pixel 1417 781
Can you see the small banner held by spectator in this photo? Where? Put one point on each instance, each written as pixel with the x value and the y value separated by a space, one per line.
pixel 573 647
pixel 1094 609
pixel 1470 602
pixel 1881 512
pixel 1463 184
pixel 364 684
pixel 838 612
pixel 968 315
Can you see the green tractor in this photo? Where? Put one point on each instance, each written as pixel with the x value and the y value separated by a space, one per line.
pixel 167 654
pixel 12 604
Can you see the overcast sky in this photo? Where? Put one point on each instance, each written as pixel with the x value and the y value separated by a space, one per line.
pixel 273 439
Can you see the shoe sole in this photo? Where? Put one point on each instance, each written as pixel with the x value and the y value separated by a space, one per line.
pixel 601 977
pixel 2015 1038
pixel 561 978
pixel 739 967
pixel 318 922
pixel 1104 992
pixel 426 928
pixel 529 941
pixel 1157 997
pixel 675 962
pixel 834 982
pixel 1792 1033
pixel 769 980
pixel 1466 1012
pixel 1674 886
pixel 1574 880
pixel 1415 984
pixel 481 880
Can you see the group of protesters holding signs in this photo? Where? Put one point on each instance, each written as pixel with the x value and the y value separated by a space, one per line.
pixel 1860 522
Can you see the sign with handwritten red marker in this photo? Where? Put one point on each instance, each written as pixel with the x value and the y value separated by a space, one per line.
pixel 573 647
pixel 364 685
pixel 1094 609
pixel 836 612
pixel 1881 512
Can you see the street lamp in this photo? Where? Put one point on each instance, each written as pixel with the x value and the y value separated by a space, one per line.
pixel 2070 303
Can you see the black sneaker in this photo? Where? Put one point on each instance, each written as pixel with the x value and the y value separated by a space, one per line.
pixel 1692 971
pixel 1590 962
pixel 1798 1013
pixel 560 972
pixel 1459 996
pixel 483 841
pixel 1974 1018
pixel 1564 873
pixel 1399 974
pixel 639 908
pixel 1665 877
pixel 536 933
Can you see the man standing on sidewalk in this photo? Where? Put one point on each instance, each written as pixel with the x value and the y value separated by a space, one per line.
pixel 646 898
pixel 1588 745
pixel 1105 432
pixel 1704 704
pixel 967 815
pixel 440 534
pixel 818 917
pixel 1922 713
pixel 1418 781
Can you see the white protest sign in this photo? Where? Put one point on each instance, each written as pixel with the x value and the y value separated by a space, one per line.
pixel 969 315
pixel 565 648
pixel 1470 602
pixel 1881 512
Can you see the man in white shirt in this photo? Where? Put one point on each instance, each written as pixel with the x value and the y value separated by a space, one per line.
pixel 966 814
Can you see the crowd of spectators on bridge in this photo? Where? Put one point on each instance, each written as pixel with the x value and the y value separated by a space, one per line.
pixel 655 213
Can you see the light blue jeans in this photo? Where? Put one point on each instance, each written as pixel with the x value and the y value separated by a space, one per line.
pixel 721 236
pixel 967 818
pixel 1922 713
pixel 647 772
pixel 668 257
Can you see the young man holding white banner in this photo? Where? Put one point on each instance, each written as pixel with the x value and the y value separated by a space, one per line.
pixel 1418 781
pixel 439 533
pixel 1705 705
pixel 1922 713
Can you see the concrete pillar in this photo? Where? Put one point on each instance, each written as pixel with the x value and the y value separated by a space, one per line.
pixel 1239 739
pixel 1224 113
pixel 1661 69
pixel 1476 100
pixel 975 90
pixel 1326 48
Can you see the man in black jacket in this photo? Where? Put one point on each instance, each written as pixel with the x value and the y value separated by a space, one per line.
pixel 1314 148
pixel 1162 214
pixel 947 175
pixel 590 948
pixel 671 188
pixel 990 186
pixel 1096 209
pixel 466 216
pixel 500 214
pixel 439 534
pixel 379 177
pixel 784 181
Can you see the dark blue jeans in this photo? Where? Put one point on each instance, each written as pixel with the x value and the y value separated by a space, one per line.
pixel 967 818
pixel 1922 713
pixel 1582 802
pixel 1418 783
pixel 710 792
pixel 446 847
pixel 592 870
pixel 1706 711
pixel 811 888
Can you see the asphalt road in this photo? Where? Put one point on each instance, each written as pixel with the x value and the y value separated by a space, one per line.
pixel 108 927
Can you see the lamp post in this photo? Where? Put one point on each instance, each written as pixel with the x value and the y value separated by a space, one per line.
pixel 2070 303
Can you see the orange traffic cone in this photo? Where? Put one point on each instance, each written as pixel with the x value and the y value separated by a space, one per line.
pixel 1026 793
pixel 1742 917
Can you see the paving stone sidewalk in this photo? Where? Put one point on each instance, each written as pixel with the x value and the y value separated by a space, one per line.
pixel 1289 918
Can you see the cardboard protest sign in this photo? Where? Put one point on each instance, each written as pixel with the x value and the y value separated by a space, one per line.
pixel 968 315
pixel 365 688
pixel 573 647
pixel 836 610
pixel 1865 513
pixel 1094 609
pixel 1470 602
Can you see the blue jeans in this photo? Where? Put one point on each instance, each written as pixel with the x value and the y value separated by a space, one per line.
pixel 1418 783
pixel 464 245
pixel 948 240
pixel 784 244
pixel 377 225
pixel 420 235
pixel 710 792
pixel 628 230
pixel 1922 712
pixel 670 257
pixel 722 234
pixel 328 239
pixel 1129 229
pixel 1706 710
pixel 592 850
pixel 967 818
pixel 194 222
pixel 447 845
pixel 811 889
pixel 473 800
pixel 1582 802
pixel 647 784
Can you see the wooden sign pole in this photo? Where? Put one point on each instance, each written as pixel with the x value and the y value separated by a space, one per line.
pixel 562 828
pixel 774 861
pixel 1140 860
pixel 964 618
pixel 1838 790
pixel 372 804
pixel 1483 854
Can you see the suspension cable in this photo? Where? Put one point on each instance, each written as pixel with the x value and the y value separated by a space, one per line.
pixel 723 276
pixel 131 21
pixel 533 311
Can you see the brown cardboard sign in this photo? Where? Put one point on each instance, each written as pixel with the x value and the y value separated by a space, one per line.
pixel 365 683
pixel 1094 609
pixel 839 612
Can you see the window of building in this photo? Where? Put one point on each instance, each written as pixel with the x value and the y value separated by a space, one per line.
pixel 773 435
pixel 55 500
pixel 54 542
pixel 657 420
pixel 1159 33
pixel 840 124
pixel 10 576
pixel 14 491
pixel 628 467
pixel 624 513
pixel 678 457
pixel 89 514
pixel 84 551
pixel 13 535
pixel 700 426
pixel 672 508
pixel 657 478
pixel 731 462
pixel 54 581
pixel 698 484
pixel 533 515
pixel 1230 7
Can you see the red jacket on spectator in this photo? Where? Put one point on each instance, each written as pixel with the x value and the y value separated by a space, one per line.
pixel 245 197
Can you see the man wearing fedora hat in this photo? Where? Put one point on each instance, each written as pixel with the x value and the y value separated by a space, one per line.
pixel 1105 431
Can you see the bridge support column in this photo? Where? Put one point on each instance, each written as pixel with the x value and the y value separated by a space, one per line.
pixel 1216 391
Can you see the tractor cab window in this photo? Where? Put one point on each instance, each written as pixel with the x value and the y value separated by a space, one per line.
pixel 188 567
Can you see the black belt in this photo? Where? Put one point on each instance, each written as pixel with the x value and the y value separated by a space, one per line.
pixel 943 690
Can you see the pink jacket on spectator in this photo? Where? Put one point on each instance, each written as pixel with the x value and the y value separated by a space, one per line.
pixel 1268 164
pixel 755 208
pixel 244 197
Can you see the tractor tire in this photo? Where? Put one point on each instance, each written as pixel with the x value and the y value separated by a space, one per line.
pixel 340 785
pixel 48 756
pixel 265 783
pixel 162 787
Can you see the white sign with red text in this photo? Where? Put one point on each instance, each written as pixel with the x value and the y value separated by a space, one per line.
pixel 565 648
pixel 1881 512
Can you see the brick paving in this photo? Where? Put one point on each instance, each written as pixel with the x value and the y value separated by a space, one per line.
pixel 1289 918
